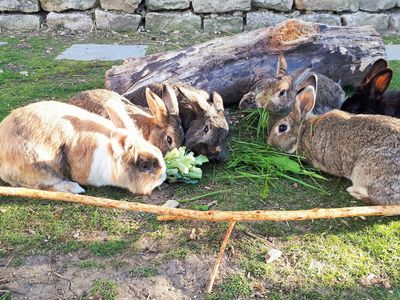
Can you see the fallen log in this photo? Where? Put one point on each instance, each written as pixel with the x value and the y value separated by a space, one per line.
pixel 232 65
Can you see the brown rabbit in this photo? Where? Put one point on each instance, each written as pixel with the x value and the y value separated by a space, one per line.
pixel 277 94
pixel 57 146
pixel 203 119
pixel 362 148
pixel 161 126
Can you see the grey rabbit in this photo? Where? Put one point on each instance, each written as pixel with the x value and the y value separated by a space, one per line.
pixel 276 94
pixel 362 148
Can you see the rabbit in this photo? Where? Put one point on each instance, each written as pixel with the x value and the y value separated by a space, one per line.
pixel 161 126
pixel 59 147
pixel 362 148
pixel 203 119
pixel 371 96
pixel 277 94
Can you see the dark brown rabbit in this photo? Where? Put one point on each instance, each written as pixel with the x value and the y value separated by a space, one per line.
pixel 203 119
pixel 371 96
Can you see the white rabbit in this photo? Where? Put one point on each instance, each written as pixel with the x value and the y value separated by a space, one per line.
pixel 56 146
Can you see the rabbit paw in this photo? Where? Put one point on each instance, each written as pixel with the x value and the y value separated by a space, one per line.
pixel 358 192
pixel 68 187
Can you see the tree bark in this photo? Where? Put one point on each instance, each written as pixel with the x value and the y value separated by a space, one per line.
pixel 232 65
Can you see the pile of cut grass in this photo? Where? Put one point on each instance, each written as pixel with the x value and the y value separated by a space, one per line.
pixel 251 158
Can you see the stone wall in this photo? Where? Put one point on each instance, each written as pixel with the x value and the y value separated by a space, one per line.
pixel 193 15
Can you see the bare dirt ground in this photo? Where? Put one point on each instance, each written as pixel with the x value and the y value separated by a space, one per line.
pixel 50 276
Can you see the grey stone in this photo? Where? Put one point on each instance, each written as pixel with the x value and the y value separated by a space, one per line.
pixel 19 22
pixel 168 22
pixel 294 14
pixel 259 19
pixel 379 21
pixel 114 21
pixel 215 6
pixel 26 6
pixel 128 6
pixel 76 21
pixel 394 23
pixel 393 52
pixel 398 3
pixel 328 19
pixel 171 204
pixel 88 52
pixel 167 4
pixel 330 5
pixel 62 5
pixel 282 5
pixel 237 14
pixel 3 43
pixel 377 5
pixel 224 24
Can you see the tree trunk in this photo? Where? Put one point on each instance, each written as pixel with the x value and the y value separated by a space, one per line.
pixel 231 65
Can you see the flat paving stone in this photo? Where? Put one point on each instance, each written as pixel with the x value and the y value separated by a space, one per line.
pixel 88 52
pixel 3 43
pixel 393 52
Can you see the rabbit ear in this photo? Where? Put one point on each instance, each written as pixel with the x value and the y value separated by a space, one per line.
pixel 311 80
pixel 299 76
pixel 282 66
pixel 170 100
pixel 157 107
pixel 377 66
pixel 380 82
pixel 304 103
pixel 119 140
pixel 218 102
pixel 195 97
pixel 118 115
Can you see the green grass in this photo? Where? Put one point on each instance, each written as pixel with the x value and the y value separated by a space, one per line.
pixel 143 272
pixel 392 39
pixel 395 65
pixel 90 264
pixel 5 295
pixel 104 289
pixel 322 259
pixel 234 287
pixel 108 248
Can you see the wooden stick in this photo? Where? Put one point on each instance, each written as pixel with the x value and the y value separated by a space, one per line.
pixel 214 272
pixel 169 218
pixel 210 216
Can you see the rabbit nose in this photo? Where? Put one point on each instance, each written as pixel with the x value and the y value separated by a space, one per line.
pixel 218 156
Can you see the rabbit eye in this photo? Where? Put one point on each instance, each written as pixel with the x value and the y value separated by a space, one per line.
pixel 169 139
pixel 206 128
pixel 145 166
pixel 282 128
pixel 282 93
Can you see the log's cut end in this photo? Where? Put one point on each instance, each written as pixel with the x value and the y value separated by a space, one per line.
pixel 291 32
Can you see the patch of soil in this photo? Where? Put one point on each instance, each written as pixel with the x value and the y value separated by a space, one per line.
pixel 60 277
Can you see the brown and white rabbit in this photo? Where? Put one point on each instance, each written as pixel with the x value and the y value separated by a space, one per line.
pixel 56 146
pixel 277 94
pixel 362 148
pixel 161 126
pixel 372 96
